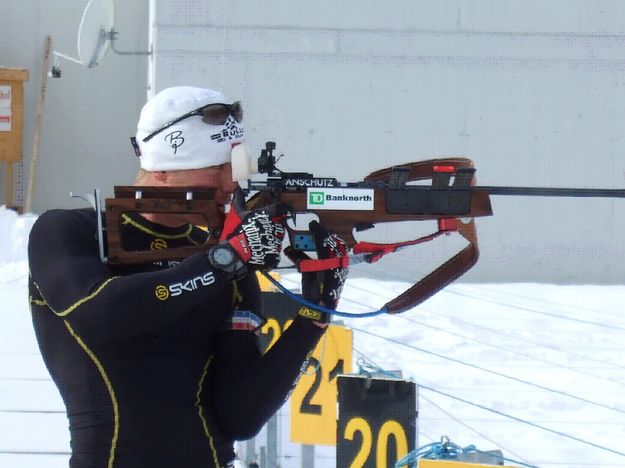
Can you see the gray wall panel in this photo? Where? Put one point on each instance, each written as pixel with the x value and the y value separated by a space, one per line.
pixel 522 16
pixel 246 41
pixel 531 91
pixel 286 14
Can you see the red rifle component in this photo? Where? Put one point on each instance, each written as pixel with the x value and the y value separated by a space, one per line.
pixel 322 264
pixel 448 225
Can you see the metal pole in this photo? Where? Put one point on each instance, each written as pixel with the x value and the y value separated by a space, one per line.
pixel 272 442
pixel 34 156
pixel 250 451
pixel 417 421
pixel 308 456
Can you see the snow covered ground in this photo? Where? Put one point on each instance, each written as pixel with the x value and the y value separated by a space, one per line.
pixel 545 364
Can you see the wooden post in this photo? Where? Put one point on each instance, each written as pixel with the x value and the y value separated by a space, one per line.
pixel 11 122
pixel 34 157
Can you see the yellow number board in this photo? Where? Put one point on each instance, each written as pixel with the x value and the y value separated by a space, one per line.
pixel 313 402
pixel 451 464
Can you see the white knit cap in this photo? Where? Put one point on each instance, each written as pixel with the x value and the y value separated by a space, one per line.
pixel 190 143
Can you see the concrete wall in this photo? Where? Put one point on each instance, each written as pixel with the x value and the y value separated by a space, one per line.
pixel 531 90
pixel 89 113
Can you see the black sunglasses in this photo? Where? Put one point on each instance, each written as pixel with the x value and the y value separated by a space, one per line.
pixel 213 114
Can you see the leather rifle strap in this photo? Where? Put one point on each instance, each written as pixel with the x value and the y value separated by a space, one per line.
pixel 457 265
pixel 442 276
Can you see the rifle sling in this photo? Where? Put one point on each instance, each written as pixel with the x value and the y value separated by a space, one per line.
pixel 445 274
pixel 457 265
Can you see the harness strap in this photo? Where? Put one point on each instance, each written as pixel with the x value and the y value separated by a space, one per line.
pixel 310 265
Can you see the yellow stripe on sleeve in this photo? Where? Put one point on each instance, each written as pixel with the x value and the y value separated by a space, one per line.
pixel 77 304
pixel 109 387
pixel 200 410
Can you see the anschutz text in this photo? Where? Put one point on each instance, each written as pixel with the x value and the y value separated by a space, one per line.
pixel 310 183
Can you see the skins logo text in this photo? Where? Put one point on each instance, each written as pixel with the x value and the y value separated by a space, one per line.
pixel 162 293
pixel 158 244
pixel 176 289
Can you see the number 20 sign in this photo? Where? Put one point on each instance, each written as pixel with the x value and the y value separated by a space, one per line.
pixel 377 421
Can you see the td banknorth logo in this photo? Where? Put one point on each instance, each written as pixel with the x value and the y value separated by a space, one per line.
pixel 316 198
pixel 340 199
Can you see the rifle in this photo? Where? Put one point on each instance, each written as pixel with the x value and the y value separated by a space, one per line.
pixel 443 190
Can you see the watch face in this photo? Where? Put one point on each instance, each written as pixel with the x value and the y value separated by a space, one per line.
pixel 223 255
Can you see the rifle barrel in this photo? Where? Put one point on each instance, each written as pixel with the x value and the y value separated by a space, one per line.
pixel 552 191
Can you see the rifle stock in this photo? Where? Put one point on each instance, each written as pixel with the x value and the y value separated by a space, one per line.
pixel 135 199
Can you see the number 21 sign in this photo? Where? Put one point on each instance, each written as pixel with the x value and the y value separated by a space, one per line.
pixel 313 402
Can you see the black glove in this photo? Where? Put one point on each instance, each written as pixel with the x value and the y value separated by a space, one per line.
pixel 255 236
pixel 257 240
pixel 323 287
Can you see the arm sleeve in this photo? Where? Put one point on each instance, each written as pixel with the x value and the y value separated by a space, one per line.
pixel 248 387
pixel 66 268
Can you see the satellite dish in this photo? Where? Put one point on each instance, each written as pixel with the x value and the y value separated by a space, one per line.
pixel 98 18
pixel 96 33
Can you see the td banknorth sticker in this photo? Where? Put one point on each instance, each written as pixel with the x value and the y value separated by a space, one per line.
pixel 339 199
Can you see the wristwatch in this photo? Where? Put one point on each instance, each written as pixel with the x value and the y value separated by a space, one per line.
pixel 223 257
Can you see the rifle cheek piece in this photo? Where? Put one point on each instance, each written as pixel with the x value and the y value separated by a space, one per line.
pixel 243 166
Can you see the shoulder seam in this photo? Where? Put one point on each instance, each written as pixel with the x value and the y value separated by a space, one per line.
pixel 78 303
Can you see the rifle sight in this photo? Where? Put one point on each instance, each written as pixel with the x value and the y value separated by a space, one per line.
pixel 267 161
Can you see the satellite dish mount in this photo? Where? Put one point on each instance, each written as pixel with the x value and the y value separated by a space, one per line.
pixel 96 33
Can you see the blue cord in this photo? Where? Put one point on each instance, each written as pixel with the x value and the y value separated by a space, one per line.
pixel 447 451
pixel 312 305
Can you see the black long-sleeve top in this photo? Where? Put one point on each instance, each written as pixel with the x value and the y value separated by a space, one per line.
pixel 151 377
